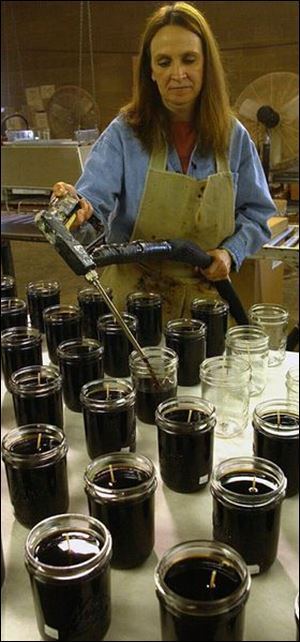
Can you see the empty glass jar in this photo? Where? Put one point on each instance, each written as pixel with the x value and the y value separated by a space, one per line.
pixel 273 319
pixel 251 343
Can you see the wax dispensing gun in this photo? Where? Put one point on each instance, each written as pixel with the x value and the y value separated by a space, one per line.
pixel 55 223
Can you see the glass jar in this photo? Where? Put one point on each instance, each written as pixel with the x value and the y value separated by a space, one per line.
pixel 276 437
pixel 214 314
pixel 296 611
pixel 68 561
pixel 80 361
pixel 247 497
pixel 61 322
pixel 37 395
pixel 155 384
pixel 185 442
pixel 41 295
pixel 273 319
pixel 93 306
pixel 147 308
pixel 187 337
pixel 108 407
pixel 120 490
pixel 8 286
pixel 117 346
pixel 202 588
pixel 20 347
pixel 36 470
pixel 292 384
pixel 252 343
pixel 225 383
pixel 13 313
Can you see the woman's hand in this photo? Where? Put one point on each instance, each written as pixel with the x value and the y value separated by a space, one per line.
pixel 220 266
pixel 85 212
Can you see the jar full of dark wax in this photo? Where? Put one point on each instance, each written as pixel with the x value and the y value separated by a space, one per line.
pixel 61 322
pixel 185 442
pixel 187 337
pixel 8 286
pixel 36 470
pixel 276 437
pixel 120 490
pixel 41 295
pixel 147 307
pixel 202 588
pixel 154 380
pixel 20 347
pixel 80 361
pixel 93 306
pixel 68 560
pixel 37 395
pixel 117 346
pixel 13 313
pixel 214 314
pixel 247 498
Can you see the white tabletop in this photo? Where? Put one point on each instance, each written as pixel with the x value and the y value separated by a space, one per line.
pixel 179 517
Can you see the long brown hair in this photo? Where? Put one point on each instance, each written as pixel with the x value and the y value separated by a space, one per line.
pixel 146 113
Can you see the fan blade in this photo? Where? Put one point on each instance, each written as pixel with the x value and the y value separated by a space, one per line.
pixel 249 109
pixel 290 111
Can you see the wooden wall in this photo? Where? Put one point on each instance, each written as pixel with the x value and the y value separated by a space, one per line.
pixel 40 45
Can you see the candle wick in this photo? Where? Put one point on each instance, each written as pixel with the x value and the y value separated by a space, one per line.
pixel 253 488
pixel 68 543
pixel 190 415
pixel 278 418
pixel 212 580
pixel 38 444
pixel 39 378
pixel 107 391
pixel 112 474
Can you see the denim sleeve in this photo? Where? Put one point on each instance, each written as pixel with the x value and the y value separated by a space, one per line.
pixel 253 204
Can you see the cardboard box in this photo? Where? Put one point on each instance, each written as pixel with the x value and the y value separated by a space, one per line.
pixel 46 92
pixel 41 120
pixel 34 99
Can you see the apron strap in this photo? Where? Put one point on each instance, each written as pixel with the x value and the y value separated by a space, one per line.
pixel 222 164
pixel 158 160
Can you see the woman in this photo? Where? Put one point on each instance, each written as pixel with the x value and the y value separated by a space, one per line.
pixel 175 163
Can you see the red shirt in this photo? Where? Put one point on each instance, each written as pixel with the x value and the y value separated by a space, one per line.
pixel 184 139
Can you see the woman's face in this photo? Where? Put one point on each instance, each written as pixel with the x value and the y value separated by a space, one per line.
pixel 177 64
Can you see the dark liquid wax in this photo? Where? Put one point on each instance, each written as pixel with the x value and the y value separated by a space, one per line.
pixel 150 323
pixel 131 523
pixel 190 579
pixel 191 352
pixel 78 609
pixel 76 372
pixel 37 302
pixel 19 356
pixel 32 409
pixel 282 451
pixel 66 326
pixel 37 492
pixel 253 532
pixel 149 396
pixel 111 429
pixel 185 458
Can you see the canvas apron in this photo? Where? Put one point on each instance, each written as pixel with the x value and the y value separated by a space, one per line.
pixel 176 206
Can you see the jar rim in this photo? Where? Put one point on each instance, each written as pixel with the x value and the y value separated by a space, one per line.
pixel 185 403
pixel 145 298
pixel 52 286
pixel 215 551
pixel 66 348
pixel 109 321
pixel 120 460
pixel 268 312
pixel 12 304
pixel 276 407
pixel 34 459
pixel 10 338
pixel 189 328
pixel 25 380
pixel 53 312
pixel 213 306
pixel 227 371
pixel 107 384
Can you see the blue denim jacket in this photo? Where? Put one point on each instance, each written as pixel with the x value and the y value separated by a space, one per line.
pixel 115 172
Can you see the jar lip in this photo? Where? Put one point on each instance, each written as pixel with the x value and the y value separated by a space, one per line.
pixel 225 370
pixel 269 312
pixel 66 348
pixel 108 321
pixel 145 298
pixel 54 312
pixel 185 403
pixel 19 334
pixel 25 379
pixel 31 430
pixel 51 286
pixel 57 523
pixel 107 384
pixel 239 465
pixel 276 407
pixel 214 551
pixel 11 304
pixel 213 306
pixel 118 461
pixel 244 333
pixel 90 291
pixel 293 374
pixel 7 278
pixel 156 356
pixel 185 327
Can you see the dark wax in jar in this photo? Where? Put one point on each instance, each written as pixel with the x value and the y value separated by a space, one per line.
pixel 8 286
pixel 79 363
pixel 187 337
pixel 37 399
pixel 130 523
pixel 253 533
pixel 117 346
pixel 149 395
pixel 183 455
pixel 37 491
pixel 215 315
pixel 109 430
pixel 93 306
pixel 41 295
pixel 20 347
pixel 148 310
pixel 13 313
pixel 282 451
pixel 190 578
pixel 61 325
pixel 76 610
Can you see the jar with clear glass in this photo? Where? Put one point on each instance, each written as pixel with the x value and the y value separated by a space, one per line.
pixel 61 322
pixel 202 588
pixel 273 319
pixel 8 286
pixel 147 307
pixel 154 379
pixel 292 384
pixel 41 295
pixel 276 437
pixel 214 313
pixel 37 395
pixel 251 343
pixel 187 337
pixel 13 313
pixel 117 346
pixel 20 347
pixel 225 383
pixel 93 306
